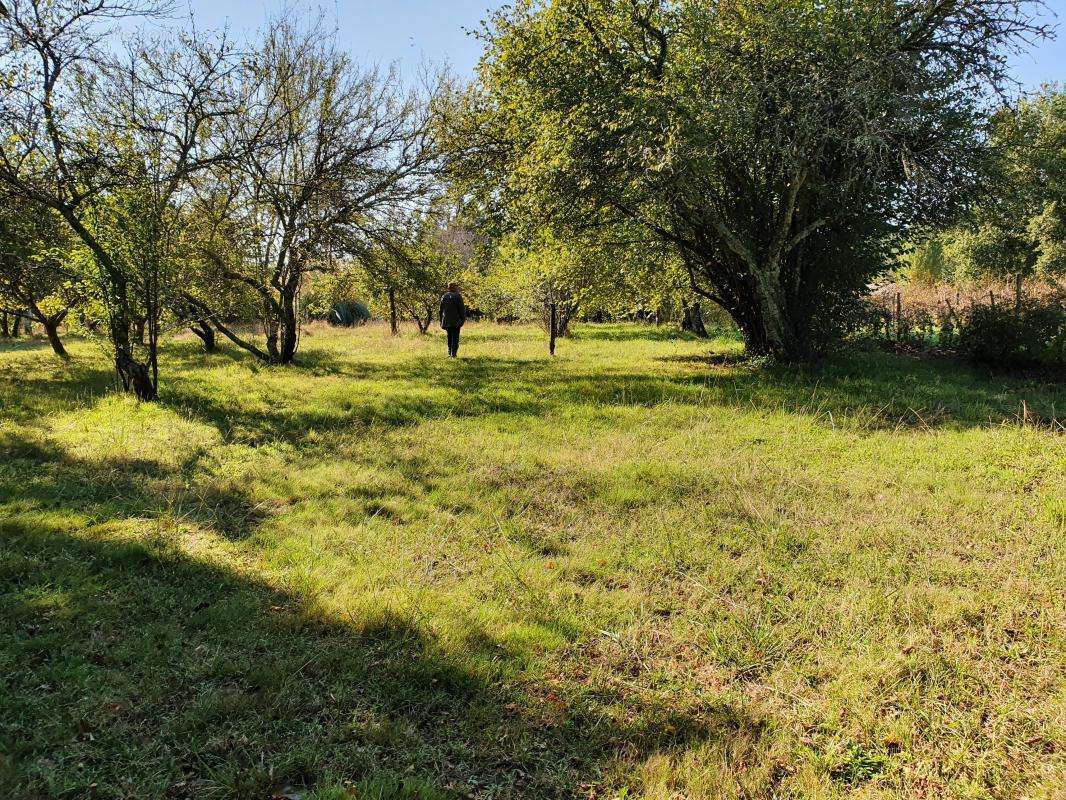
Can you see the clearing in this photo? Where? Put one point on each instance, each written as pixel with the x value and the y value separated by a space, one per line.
pixel 644 569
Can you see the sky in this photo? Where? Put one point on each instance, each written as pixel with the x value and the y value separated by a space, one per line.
pixel 1047 61
pixel 410 32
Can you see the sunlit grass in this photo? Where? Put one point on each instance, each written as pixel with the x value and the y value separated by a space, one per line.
pixel 645 568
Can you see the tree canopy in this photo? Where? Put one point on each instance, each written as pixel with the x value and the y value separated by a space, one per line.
pixel 778 147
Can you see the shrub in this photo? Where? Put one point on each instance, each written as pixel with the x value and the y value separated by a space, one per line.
pixel 1004 337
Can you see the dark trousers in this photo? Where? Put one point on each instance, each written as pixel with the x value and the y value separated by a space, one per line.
pixel 453 341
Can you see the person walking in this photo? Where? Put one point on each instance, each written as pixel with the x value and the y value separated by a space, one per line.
pixel 452 317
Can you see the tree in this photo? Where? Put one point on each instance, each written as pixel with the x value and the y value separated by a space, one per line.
pixel 36 275
pixel 331 156
pixel 1017 229
pixel 599 273
pixel 207 300
pixel 340 296
pixel 93 137
pixel 777 147
pixel 924 261
pixel 532 274
pixel 413 270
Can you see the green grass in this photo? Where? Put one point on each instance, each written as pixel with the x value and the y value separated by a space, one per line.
pixel 645 569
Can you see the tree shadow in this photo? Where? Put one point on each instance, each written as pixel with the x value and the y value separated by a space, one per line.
pixel 39 476
pixel 129 660
pixel 869 390
pixel 135 670
pixel 628 332
pixel 474 388
pixel 189 353
pixel 25 398
pixel 28 344
pixel 709 359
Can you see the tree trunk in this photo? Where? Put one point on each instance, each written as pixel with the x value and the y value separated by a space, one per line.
pixel 562 322
pixel 271 329
pixel 693 321
pixel 290 327
pixel 553 323
pixel 51 324
pixel 135 377
pixel 265 357
pixel 393 321
pixel 564 315
pixel 51 328
pixel 206 315
pixel 139 378
pixel 16 326
pixel 202 328
pixel 698 327
pixel 756 304
pixel 5 325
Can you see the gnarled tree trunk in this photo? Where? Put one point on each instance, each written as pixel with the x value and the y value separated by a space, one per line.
pixel 51 329
pixel 202 328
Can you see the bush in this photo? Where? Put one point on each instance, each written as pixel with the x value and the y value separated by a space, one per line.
pixel 1000 336
pixel 349 314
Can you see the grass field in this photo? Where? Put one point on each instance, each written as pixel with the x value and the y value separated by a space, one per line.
pixel 646 569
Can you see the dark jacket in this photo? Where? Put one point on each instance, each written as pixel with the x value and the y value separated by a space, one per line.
pixel 452 310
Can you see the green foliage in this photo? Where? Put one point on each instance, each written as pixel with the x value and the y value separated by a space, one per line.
pixel 39 274
pixel 347 285
pixel 925 262
pixel 592 276
pixel 858 765
pixel 1018 228
pixel 777 148
pixel 417 267
pixel 1002 336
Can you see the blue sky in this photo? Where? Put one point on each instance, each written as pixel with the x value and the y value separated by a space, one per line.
pixel 1047 62
pixel 404 31
pixel 410 31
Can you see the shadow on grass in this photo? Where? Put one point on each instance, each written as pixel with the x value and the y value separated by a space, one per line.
pixel 29 398
pixel 411 397
pixel 39 477
pixel 133 670
pixel 872 390
pixel 631 333
pixel 709 359
pixel 21 345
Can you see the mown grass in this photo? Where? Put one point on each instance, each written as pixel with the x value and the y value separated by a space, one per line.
pixel 646 569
